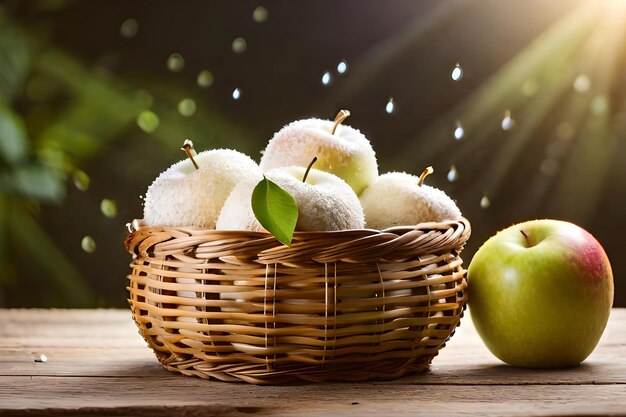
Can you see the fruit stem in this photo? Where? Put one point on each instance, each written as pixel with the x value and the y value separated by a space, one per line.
pixel 525 237
pixel 341 116
pixel 306 173
pixel 188 148
pixel 426 173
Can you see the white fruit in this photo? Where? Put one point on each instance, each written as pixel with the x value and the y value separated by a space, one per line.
pixel 398 199
pixel 185 196
pixel 325 202
pixel 347 153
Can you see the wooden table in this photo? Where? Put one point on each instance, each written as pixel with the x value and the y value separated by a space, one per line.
pixel 98 364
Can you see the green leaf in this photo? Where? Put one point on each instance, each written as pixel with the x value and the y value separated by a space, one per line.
pixel 275 209
pixel 39 183
pixel 13 141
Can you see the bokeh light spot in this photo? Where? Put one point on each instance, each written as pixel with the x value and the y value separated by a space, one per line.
pixel 484 202
pixel 582 83
pixel 239 45
pixel 260 14
pixel 175 62
pixel 530 87
pixel 148 121
pixel 549 167
pixel 129 28
pixel 81 180
pixel 108 207
pixel 565 131
pixel 88 244
pixel 600 105
pixel 205 79
pixel 187 107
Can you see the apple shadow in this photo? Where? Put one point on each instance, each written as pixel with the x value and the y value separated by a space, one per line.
pixel 508 374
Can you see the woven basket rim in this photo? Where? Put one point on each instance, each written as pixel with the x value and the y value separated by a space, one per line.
pixel 359 245
pixel 138 225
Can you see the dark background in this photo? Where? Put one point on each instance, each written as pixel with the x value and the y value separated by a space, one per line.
pixel 73 88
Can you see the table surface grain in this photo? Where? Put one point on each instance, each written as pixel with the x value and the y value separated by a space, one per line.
pixel 98 364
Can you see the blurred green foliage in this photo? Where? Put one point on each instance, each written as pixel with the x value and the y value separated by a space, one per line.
pixel 28 177
pixel 55 117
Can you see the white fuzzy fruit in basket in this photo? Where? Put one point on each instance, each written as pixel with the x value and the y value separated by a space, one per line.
pixel 340 149
pixel 185 196
pixel 325 202
pixel 401 199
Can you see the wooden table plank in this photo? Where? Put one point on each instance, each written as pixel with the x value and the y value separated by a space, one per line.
pixel 96 359
pixel 475 367
pixel 312 400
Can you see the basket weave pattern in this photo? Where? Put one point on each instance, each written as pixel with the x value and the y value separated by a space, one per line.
pixel 347 305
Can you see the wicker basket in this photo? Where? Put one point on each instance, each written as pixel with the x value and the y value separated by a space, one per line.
pixel 342 306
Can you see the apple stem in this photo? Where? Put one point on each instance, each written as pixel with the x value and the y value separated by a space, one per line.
pixel 525 237
pixel 426 173
pixel 188 148
pixel 341 116
pixel 306 173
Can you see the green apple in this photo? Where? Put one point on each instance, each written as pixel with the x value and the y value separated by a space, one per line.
pixel 340 150
pixel 540 294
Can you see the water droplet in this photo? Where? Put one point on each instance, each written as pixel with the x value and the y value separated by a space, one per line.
pixel 260 14
pixel 187 107
pixel 507 121
pixel 599 105
pixel 326 78
pixel 81 180
pixel 129 28
pixel 239 45
pixel 342 67
pixel 175 62
pixel 205 79
pixel 459 132
pixel 108 207
pixel 88 244
pixel 389 108
pixel 484 202
pixel 530 88
pixel 236 94
pixel 148 121
pixel 582 83
pixel 453 174
pixel 40 357
pixel 457 72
